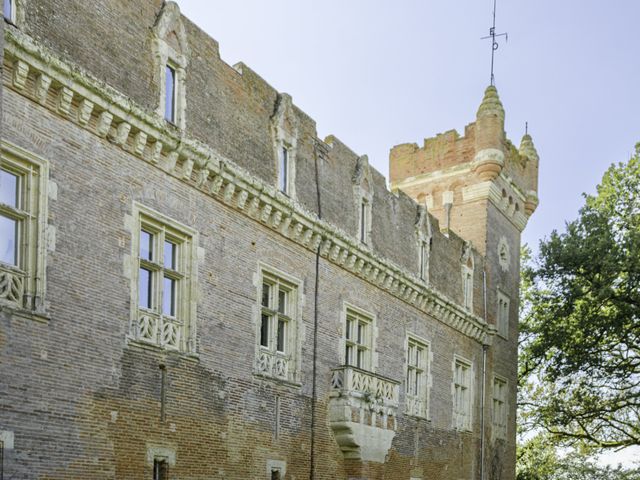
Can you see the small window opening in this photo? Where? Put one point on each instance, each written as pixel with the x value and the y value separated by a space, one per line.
pixel 283 170
pixel 364 211
pixel 275 474
pixel 8 9
pixel 160 469
pixel 170 94
pixel 423 260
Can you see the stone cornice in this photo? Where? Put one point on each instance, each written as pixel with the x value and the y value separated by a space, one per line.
pixel 88 102
pixel 423 178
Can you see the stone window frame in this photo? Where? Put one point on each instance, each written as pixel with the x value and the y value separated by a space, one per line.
pixel 289 175
pixel 270 363
pixel 423 242
pixel 462 411
pixel 155 453
pixel 147 326
pixel 285 130
pixel 371 333
pixel 503 306
pixel 467 268
pixel 165 55
pixel 413 407
pixel 499 399
pixel 279 466
pixel 364 224
pixel 17 12
pixel 363 200
pixel 26 281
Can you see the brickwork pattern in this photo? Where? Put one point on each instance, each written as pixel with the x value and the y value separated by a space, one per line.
pixel 84 402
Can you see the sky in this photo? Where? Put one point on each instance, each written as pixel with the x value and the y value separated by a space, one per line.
pixel 378 73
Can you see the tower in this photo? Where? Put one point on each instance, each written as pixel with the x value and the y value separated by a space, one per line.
pixel 479 186
pixel 482 188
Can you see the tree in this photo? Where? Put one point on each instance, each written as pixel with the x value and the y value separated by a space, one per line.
pixel 538 459
pixel 580 343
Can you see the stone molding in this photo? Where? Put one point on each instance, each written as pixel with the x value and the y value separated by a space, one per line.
pixel 363 409
pixel 102 110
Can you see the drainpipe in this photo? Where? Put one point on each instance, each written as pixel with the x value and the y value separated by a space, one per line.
pixel 485 348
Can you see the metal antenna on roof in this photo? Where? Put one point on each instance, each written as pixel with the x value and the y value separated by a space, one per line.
pixel 494 44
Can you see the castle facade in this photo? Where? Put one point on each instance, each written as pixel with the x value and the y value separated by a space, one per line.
pixel 193 285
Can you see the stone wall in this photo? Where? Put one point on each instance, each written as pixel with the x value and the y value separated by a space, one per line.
pixel 83 401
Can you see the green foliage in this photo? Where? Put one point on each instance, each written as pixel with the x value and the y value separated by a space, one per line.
pixel 580 342
pixel 538 459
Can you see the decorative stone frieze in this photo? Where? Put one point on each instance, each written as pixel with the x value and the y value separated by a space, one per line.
pixel 43 82
pixel 65 97
pixel 11 287
pixel 214 173
pixel 84 111
pixel 20 73
pixel 362 413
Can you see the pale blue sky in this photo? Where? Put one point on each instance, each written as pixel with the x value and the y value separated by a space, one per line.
pixel 377 73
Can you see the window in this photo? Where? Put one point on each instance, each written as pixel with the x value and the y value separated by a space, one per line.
pixel 164 286
pixel 170 94
pixel 23 206
pixel 277 336
pixel 502 323
pixel 462 394
pixel 8 10
pixel 160 469
pixel 170 60
pixel 358 340
pixel 499 410
pixel 283 170
pixel 424 260
pixel 417 395
pixel 467 285
pixel 276 469
pixel 364 216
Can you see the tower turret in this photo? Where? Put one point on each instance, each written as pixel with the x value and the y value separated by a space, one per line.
pixel 473 182
pixel 489 157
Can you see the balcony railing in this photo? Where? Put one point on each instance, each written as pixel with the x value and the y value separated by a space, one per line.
pixel 12 286
pixel 273 365
pixel 159 330
pixel 362 412
pixel 363 384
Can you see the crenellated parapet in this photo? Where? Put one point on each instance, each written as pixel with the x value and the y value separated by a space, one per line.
pixel 450 173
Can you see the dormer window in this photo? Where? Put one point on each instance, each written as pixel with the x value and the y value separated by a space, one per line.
pixel 170 55
pixel 284 130
pixel 467 287
pixel 467 268
pixel 170 94
pixel 365 212
pixel 424 259
pixel 362 200
pixel 283 170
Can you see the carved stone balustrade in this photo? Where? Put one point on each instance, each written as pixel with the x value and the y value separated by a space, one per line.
pixel 11 287
pixel 158 330
pixel 362 413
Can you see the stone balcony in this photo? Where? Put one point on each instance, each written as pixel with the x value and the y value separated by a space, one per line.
pixel 362 412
